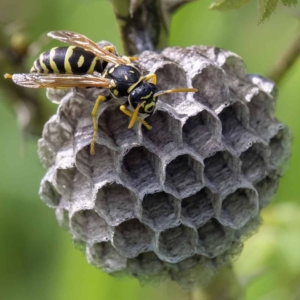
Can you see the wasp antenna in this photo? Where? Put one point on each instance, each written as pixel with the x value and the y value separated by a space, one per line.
pixel 134 115
pixel 181 90
pixel 7 76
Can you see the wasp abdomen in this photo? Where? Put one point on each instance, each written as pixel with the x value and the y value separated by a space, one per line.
pixel 68 60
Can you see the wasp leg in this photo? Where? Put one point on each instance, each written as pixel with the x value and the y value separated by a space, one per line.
pixel 95 123
pixel 129 113
pixel 151 77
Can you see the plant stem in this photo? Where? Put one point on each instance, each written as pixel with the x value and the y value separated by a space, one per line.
pixel 288 59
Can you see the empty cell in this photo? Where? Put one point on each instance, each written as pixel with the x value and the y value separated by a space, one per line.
pixel 164 134
pixel 174 77
pixel 197 209
pixel 266 189
pixel 176 244
pixel 185 174
pixel 261 109
pixel 97 167
pixel 114 123
pixel 145 264
pixel 105 256
pixel 254 164
pixel 234 131
pixel 160 211
pixel 115 203
pixel 56 135
pixel 280 146
pixel 213 90
pixel 64 181
pixel 88 226
pixel 238 208
pixel 132 237
pixel 214 239
pixel 218 170
pixel 139 165
pixel 203 133
pixel 49 194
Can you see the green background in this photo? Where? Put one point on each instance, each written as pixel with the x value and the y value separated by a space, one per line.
pixel 38 259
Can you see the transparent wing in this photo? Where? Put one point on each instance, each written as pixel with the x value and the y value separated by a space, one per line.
pixel 34 80
pixel 79 40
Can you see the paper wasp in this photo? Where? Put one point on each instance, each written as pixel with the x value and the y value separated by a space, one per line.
pixel 84 64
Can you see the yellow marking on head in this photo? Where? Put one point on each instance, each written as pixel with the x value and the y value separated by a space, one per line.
pixel 92 66
pixel 80 61
pixel 134 85
pixel 113 83
pixel 126 77
pixel 111 70
pixel 148 96
pixel 149 107
pixel 7 76
pixel 116 92
pixel 131 71
pixel 52 62
pixel 41 58
pixel 67 65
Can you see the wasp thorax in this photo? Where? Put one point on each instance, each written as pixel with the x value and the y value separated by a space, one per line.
pixel 144 92
pixel 126 78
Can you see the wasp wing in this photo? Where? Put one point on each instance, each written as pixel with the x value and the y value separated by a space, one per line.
pixel 34 80
pixel 79 40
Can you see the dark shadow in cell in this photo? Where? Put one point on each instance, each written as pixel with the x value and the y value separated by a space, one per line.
pixel 197 209
pixel 115 203
pixel 160 211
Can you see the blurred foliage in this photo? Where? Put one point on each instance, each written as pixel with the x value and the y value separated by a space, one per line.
pixel 265 7
pixel 37 258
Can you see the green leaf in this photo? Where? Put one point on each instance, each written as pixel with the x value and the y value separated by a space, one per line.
pixel 266 8
pixel 228 4
pixel 289 2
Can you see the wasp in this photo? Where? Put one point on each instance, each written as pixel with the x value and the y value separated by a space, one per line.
pixel 85 64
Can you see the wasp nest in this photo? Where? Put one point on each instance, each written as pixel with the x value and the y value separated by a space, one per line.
pixel 177 201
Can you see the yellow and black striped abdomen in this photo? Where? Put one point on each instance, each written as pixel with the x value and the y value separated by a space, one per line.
pixel 68 60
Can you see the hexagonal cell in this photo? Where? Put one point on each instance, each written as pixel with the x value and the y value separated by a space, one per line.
pixel 238 208
pixel 234 127
pixel 202 132
pixel 254 162
pixel 165 133
pixel 56 135
pixel 176 244
pixel 115 203
pixel 115 123
pixel 213 90
pixel 132 237
pixel 197 209
pixel 174 77
pixel 145 264
pixel 88 226
pixel 267 188
pixel 261 109
pixel 185 174
pixel 49 194
pixel 220 171
pixel 63 180
pixel 98 167
pixel 214 239
pixel 105 256
pixel 138 169
pixel 280 146
pixel 160 211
